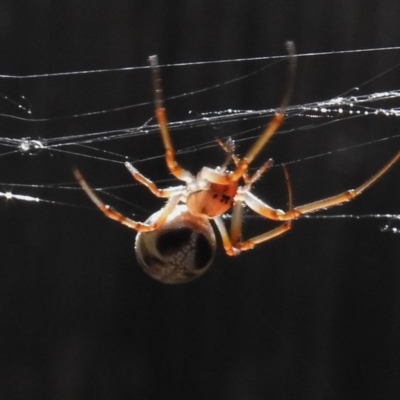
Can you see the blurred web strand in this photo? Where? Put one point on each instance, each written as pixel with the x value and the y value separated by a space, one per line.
pixel 392 220
pixel 279 58
pixel 83 145
pixel 185 64
pixel 350 105
pixel 331 109
pixel 31 199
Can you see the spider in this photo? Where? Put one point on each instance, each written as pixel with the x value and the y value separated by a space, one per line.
pixel 177 243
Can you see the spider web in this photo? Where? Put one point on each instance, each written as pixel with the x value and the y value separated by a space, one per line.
pixel 55 121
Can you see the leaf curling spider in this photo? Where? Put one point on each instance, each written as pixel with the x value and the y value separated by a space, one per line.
pixel 177 243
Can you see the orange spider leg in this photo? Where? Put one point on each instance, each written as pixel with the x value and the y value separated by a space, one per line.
pixel 232 244
pixel 161 116
pixel 115 215
pixel 276 122
pixel 263 209
pixel 237 219
pixel 257 175
pixel 226 241
pixel 168 192
pixel 229 147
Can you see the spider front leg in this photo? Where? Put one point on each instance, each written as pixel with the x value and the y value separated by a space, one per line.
pixel 116 216
pixel 274 124
pixel 161 116
pixel 229 147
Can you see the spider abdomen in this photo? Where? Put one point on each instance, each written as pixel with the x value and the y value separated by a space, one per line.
pixel 178 252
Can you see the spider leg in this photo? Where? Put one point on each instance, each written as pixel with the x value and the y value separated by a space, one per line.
pixel 257 175
pixel 237 211
pixel 168 192
pixel 273 233
pixel 229 147
pixel 161 116
pixel 232 243
pixel 226 241
pixel 275 123
pixel 339 198
pixel 260 207
pixel 115 215
pixel 237 248
pixel 263 209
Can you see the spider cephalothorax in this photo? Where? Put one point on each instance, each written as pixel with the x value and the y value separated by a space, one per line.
pixel 208 199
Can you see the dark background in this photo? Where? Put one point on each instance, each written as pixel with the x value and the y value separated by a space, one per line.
pixel 312 315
